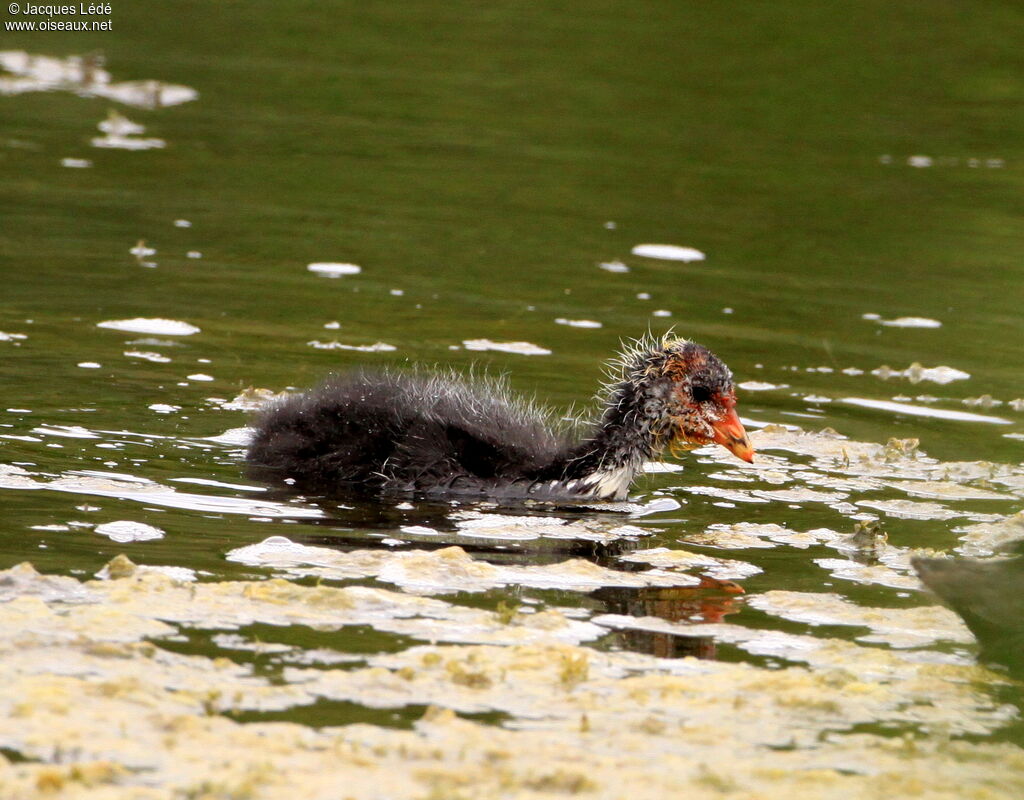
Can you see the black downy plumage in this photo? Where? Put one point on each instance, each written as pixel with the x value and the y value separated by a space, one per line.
pixel 443 435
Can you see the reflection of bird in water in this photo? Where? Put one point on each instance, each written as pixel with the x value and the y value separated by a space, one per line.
pixel 709 602
pixel 989 596
pixel 440 435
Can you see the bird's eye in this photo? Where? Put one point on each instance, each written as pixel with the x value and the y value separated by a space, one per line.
pixel 700 394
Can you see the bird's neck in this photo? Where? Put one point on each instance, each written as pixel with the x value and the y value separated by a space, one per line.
pixel 609 456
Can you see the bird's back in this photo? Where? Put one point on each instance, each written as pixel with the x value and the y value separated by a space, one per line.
pixel 405 432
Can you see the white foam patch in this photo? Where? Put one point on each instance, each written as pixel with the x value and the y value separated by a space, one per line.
pixel 123 134
pixel 149 94
pixel 329 269
pixel 128 531
pixel 145 355
pixel 447 570
pixel 755 535
pixel 234 437
pixel 578 323
pixel 945 490
pixel 146 492
pixel 923 411
pixel 524 528
pixel 69 431
pixel 910 509
pixel 241 487
pixel 761 386
pixel 377 347
pixel 910 322
pixel 873 574
pixel 799 495
pixel 668 252
pixel 233 641
pixel 155 325
pixel 985 401
pixel 519 348
pixel 722 493
pixel 897 627
pixel 76 163
pixel 418 530
pixel 177 574
pixel 250 399
pixel 989 538
pixel 119 125
pixel 84 76
pixel 720 568
pixel 916 373
pixel 658 505
pixel 110 142
pixel 613 266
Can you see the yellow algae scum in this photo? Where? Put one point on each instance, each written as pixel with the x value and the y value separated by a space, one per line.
pixel 92 706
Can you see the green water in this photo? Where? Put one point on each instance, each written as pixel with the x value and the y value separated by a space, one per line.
pixel 484 159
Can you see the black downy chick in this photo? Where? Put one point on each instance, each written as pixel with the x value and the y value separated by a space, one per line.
pixel 441 435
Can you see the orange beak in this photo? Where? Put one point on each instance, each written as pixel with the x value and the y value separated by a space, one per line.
pixel 730 434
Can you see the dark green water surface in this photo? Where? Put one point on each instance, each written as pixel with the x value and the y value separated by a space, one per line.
pixel 484 159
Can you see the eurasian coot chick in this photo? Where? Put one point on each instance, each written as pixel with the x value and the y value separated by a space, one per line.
pixel 440 435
